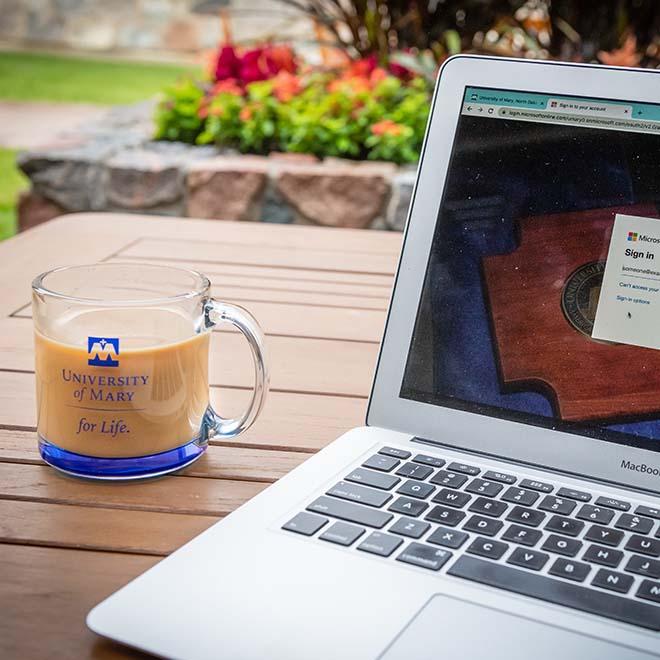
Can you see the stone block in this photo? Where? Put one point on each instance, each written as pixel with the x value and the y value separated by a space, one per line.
pixel 402 188
pixel 337 194
pixel 71 181
pixel 33 210
pixel 227 188
pixel 150 178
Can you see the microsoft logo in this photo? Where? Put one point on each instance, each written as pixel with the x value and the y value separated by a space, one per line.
pixel 632 235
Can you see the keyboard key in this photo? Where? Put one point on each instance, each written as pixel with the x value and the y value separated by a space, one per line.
pixel 643 566
pixel 381 544
pixel 433 461
pixel 487 548
pixel 409 527
pixel 362 515
pixel 416 489
pixel 643 545
pixel 595 514
pixel 567 526
pixel 604 535
pixel 613 581
pixel 305 524
pixel 381 463
pixel 524 516
pixel 493 475
pixel 408 507
pixel 449 479
pixel 573 494
pixel 613 503
pixel 651 512
pixel 354 493
pixel 526 558
pixel 649 591
pixel 373 479
pixel 557 505
pixel 425 556
pixel 465 469
pixel 452 498
pixel 482 487
pixel 450 538
pixel 488 507
pixel 342 533
pixel 597 554
pixel 560 545
pixel 482 525
pixel 571 570
pixel 445 516
pixel 395 452
pixel 546 588
pixel 414 471
pixel 522 535
pixel 634 523
pixel 536 485
pixel 520 496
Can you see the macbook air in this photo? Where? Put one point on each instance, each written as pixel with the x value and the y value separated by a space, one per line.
pixel 502 500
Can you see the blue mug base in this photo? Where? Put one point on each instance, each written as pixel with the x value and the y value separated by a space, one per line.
pixel 115 469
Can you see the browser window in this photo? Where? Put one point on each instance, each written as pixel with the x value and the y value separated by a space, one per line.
pixel 541 300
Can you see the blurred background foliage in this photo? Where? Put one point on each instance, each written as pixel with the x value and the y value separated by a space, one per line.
pixel 368 97
pixel 569 30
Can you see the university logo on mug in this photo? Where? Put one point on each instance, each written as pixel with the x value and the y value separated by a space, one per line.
pixel 102 351
pixel 122 354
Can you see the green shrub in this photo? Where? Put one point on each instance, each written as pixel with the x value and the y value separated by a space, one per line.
pixel 360 114
pixel 177 116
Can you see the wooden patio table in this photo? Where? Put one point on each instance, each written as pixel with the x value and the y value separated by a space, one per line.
pixel 321 295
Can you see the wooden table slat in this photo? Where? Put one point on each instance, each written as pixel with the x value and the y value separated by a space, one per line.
pixel 195 495
pixel 70 526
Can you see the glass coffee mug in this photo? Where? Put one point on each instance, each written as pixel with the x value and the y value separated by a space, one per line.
pixel 122 354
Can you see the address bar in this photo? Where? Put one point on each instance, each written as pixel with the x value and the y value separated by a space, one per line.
pixel 612 123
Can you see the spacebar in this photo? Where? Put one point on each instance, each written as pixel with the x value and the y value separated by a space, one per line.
pixel 556 591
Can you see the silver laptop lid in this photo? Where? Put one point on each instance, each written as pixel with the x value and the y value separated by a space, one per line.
pixel 534 327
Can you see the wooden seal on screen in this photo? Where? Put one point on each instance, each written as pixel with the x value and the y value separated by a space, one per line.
pixel 542 298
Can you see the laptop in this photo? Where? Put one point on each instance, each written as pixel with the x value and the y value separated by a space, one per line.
pixel 502 500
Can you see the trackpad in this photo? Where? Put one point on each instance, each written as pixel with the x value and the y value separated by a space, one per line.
pixel 451 628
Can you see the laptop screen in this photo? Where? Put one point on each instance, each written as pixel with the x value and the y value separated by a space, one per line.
pixel 541 299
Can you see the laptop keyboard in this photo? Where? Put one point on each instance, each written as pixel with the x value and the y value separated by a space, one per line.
pixel 569 547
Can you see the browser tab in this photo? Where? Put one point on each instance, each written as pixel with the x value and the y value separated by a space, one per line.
pixel 594 108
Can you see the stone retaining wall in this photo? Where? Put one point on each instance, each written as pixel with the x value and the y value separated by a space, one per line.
pixel 114 166
pixel 146 27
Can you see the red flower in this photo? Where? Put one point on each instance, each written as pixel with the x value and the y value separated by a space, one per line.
pixel 363 67
pixel 400 71
pixel 227 65
pixel 253 66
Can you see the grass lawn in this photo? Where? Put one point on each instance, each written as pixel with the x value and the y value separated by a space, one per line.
pixel 37 77
pixel 57 78
pixel 12 182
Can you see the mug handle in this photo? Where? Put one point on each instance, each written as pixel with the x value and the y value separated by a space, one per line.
pixel 216 312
